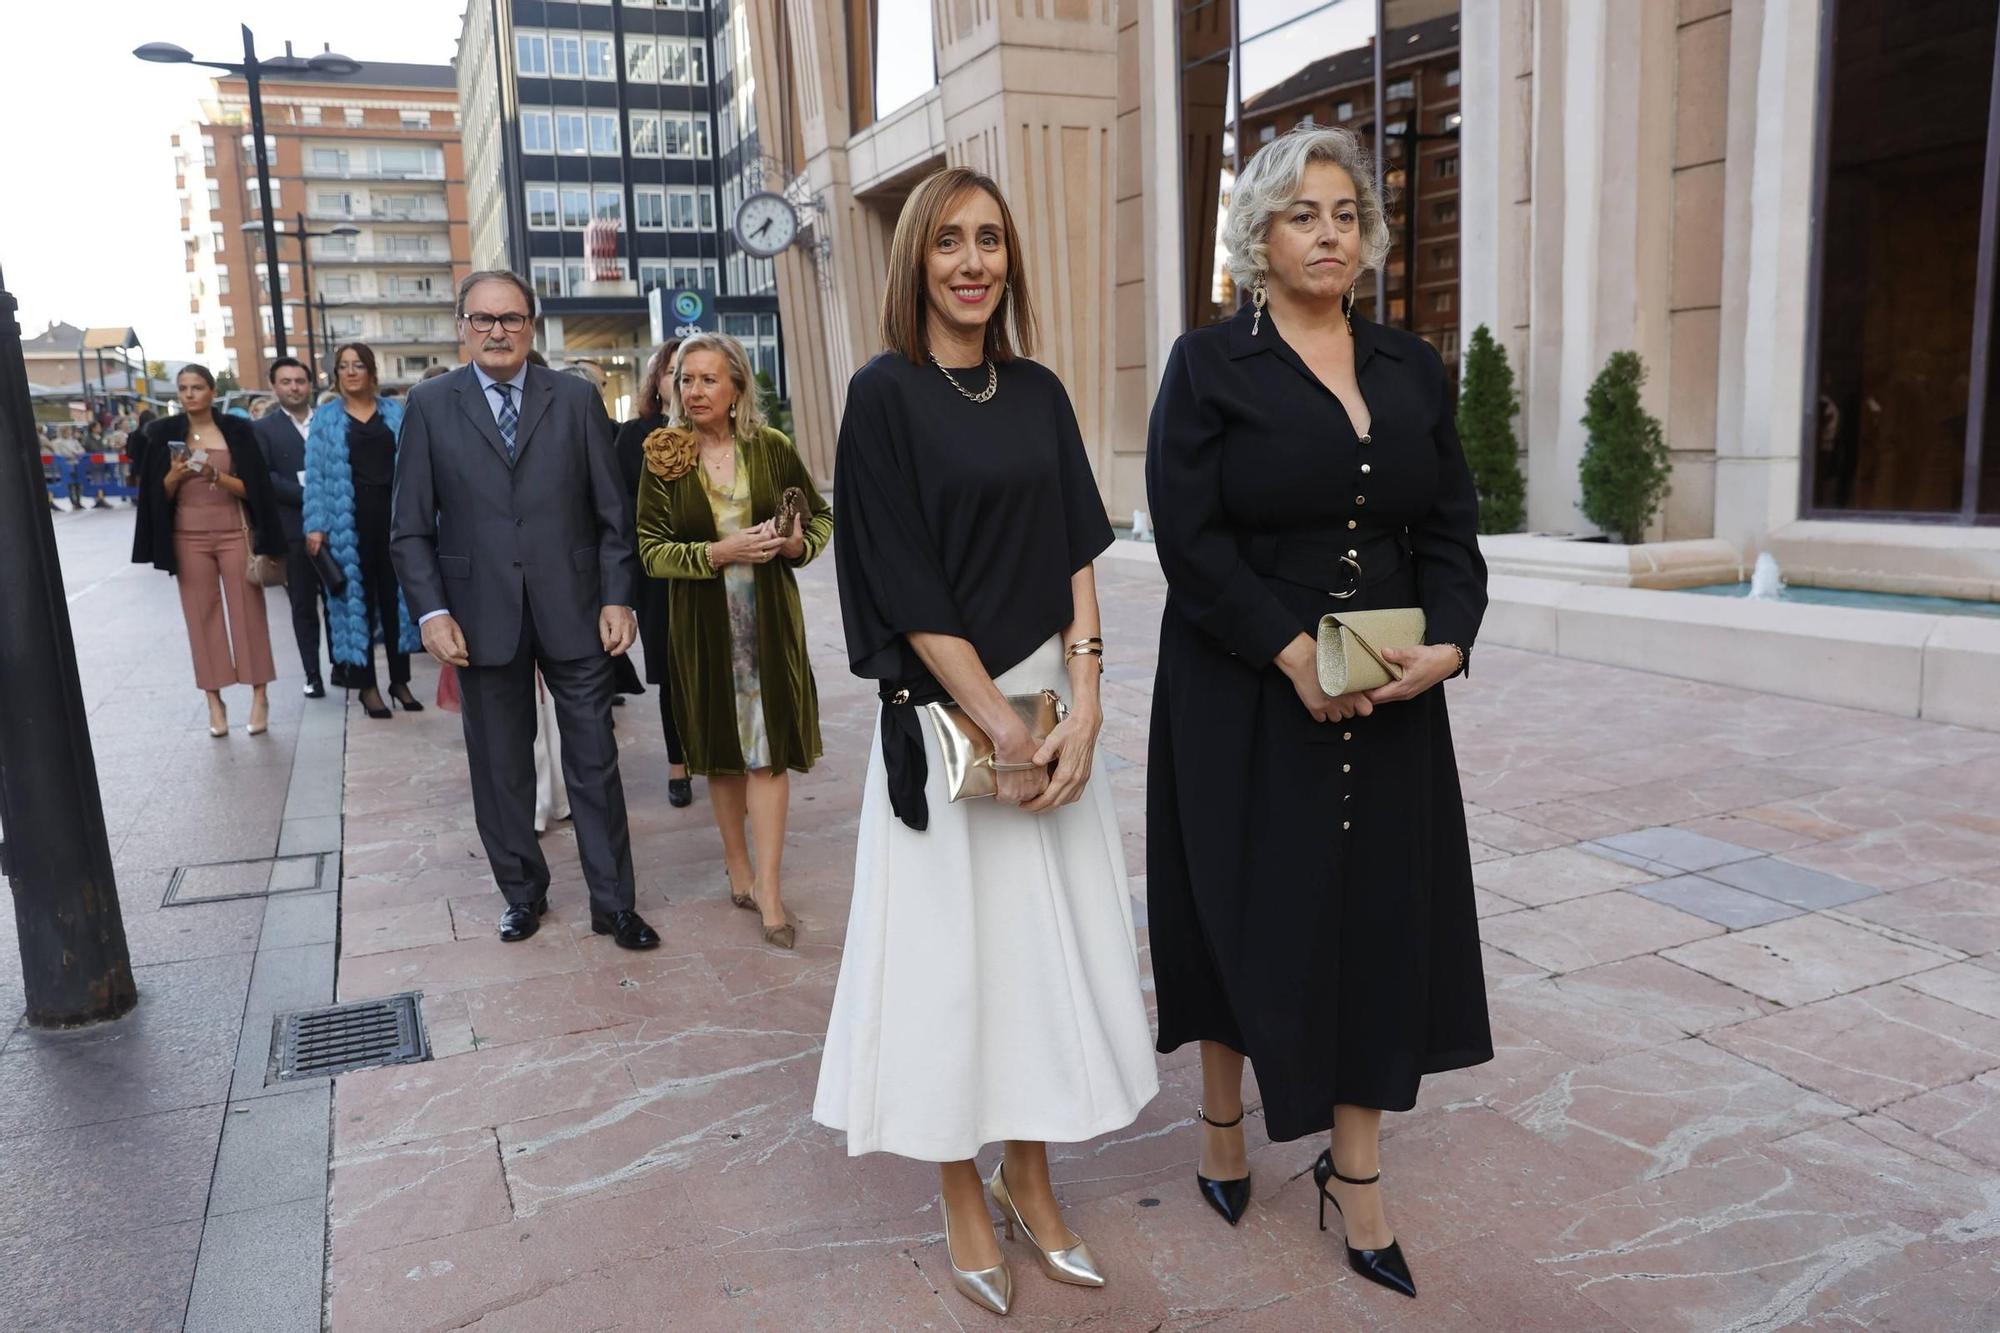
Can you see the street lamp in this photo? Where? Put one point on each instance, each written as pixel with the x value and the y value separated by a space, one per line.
pixel 326 64
pixel 305 278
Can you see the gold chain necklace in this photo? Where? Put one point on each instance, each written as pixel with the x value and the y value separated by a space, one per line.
pixel 992 381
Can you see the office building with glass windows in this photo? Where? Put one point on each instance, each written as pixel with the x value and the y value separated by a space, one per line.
pixel 606 141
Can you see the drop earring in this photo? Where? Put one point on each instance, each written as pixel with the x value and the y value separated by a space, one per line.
pixel 1258 298
pixel 1347 309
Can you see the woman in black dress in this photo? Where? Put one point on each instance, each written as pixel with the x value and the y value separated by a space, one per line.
pixel 350 472
pixel 652 608
pixel 1310 886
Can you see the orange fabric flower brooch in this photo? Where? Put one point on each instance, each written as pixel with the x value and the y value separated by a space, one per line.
pixel 670 452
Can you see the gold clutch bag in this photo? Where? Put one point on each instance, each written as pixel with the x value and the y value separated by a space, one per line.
pixel 1351 644
pixel 968 751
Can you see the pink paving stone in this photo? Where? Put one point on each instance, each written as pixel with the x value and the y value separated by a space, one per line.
pixel 637 986
pixel 1710 793
pixel 385 929
pixel 1492 904
pixel 1651 1113
pixel 1805 958
pixel 385 1197
pixel 1966 985
pixel 1487 1284
pixel 1964 1116
pixel 1583 932
pixel 1537 879
pixel 451 1280
pixel 1956 913
pixel 457 965
pixel 1510 789
pixel 1842 812
pixel 1744 832
pixel 1870 1048
pixel 1748 1241
pixel 1510 834
pixel 1624 1006
pixel 889 1287
pixel 404 888
pixel 379 1107
pixel 1576 821
pixel 1952 783
pixel 1959 1298
pixel 1900 857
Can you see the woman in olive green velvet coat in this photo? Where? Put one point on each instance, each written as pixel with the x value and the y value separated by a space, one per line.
pixel 744 698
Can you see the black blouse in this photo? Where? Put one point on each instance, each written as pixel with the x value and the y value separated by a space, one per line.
pixel 371 451
pixel 960 518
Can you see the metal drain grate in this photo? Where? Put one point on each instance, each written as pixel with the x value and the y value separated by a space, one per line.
pixel 312 1043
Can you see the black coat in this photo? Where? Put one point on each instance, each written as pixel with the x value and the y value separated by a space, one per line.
pixel 1309 886
pixel 153 535
pixel 652 603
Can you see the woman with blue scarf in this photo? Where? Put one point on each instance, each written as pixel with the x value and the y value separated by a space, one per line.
pixel 350 471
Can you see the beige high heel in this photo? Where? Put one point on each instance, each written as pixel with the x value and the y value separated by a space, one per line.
pixel 1075 1265
pixel 989 1288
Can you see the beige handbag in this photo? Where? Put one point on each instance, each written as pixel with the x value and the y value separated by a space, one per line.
pixel 264 571
pixel 969 769
pixel 1351 645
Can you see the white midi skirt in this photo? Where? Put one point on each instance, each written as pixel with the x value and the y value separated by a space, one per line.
pixel 990 984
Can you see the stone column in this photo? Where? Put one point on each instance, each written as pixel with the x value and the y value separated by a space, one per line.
pixel 1761 395
pixel 1496 198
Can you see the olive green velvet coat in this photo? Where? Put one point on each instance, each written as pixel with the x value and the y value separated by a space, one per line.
pixel 675 527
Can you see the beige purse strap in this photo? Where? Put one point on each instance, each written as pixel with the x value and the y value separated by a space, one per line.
pixel 1395 672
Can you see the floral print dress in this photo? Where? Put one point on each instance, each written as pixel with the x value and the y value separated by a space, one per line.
pixel 739 581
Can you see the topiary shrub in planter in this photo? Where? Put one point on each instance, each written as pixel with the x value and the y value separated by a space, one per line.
pixel 1626 469
pixel 1487 403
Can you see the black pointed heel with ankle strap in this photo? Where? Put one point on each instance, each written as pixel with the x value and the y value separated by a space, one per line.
pixel 1385 1266
pixel 1228 1197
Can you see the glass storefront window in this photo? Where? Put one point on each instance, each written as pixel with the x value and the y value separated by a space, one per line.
pixel 1909 112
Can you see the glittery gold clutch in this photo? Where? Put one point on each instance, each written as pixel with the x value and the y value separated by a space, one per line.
pixel 1351 645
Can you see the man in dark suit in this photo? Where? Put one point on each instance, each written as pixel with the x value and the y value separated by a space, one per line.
pixel 282 432
pixel 515 552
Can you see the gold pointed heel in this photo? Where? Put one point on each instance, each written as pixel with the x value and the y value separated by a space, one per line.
pixel 988 1288
pixel 1075 1265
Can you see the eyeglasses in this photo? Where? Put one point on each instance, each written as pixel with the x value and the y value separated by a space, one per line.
pixel 513 321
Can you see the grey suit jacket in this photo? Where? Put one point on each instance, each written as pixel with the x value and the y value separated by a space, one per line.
pixel 285 456
pixel 474 535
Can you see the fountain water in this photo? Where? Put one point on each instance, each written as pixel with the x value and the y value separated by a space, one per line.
pixel 1765 580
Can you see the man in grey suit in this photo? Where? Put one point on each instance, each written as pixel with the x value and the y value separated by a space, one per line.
pixel 282 433
pixel 514 550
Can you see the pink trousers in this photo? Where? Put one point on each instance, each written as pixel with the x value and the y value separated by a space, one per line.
pixel 213 572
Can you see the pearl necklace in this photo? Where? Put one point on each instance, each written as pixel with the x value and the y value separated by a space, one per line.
pixel 992 381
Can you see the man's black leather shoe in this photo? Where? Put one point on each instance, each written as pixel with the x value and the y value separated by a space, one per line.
pixel 522 920
pixel 315 689
pixel 629 929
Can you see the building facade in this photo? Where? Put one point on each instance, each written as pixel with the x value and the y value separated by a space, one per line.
pixel 606 143
pixel 1789 209
pixel 377 152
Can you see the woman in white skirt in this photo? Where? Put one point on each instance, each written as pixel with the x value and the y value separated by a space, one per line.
pixel 990 987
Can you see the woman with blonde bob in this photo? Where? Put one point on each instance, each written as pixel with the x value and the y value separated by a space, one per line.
pixel 989 988
pixel 727 511
pixel 1309 884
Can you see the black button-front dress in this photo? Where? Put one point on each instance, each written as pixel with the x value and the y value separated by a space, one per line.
pixel 1309 884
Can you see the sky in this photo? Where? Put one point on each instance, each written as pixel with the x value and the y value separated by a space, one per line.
pixel 89 221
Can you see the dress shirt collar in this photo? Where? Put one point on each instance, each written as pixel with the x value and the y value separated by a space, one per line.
pixel 486 382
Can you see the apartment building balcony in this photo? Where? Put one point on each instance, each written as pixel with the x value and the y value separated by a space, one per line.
pixel 326 173
pixel 384 298
pixel 435 213
pixel 435 258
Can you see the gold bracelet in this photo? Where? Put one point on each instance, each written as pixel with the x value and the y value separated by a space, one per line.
pixel 1461 659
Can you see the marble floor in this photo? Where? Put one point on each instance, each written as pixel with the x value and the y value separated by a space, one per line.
pixel 1743 961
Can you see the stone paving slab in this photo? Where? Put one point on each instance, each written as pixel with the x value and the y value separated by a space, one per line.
pixel 1739 968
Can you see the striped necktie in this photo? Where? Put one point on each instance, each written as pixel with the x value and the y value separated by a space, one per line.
pixel 509 419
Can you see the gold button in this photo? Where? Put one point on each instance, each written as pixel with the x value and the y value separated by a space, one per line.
pixel 1361 499
pixel 1352 524
pixel 1347 735
pixel 1365 468
pixel 1346 824
pixel 1347 768
pixel 1354 555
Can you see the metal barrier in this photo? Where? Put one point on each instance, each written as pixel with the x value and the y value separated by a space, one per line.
pixel 93 475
